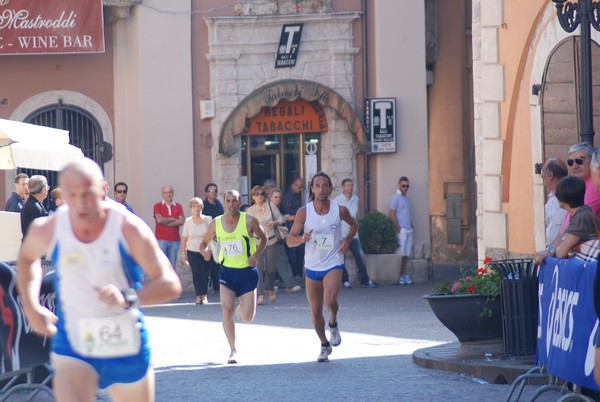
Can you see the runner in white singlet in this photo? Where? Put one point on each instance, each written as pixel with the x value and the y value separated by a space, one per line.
pixel 321 220
pixel 101 254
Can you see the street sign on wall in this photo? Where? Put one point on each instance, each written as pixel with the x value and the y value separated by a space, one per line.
pixel 289 43
pixel 381 124
pixel 51 27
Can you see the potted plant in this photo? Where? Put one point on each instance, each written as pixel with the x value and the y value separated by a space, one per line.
pixel 379 242
pixel 470 307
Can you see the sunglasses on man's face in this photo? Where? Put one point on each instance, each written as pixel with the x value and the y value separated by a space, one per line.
pixel 122 191
pixel 578 161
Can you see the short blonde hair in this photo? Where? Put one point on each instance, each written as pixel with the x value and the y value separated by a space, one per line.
pixel 196 201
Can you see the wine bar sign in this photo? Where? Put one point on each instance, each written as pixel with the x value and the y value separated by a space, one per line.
pixel 51 27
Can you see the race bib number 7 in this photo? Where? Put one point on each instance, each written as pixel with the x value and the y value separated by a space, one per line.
pixel 322 241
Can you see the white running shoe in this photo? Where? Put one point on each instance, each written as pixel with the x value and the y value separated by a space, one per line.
pixel 232 359
pixel 324 355
pixel 334 335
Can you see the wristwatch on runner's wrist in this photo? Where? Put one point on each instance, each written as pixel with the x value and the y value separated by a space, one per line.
pixel 130 296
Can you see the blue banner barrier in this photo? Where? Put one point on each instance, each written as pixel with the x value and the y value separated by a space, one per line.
pixel 567 322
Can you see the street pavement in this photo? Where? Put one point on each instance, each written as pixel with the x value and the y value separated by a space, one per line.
pixel 380 328
pixel 277 353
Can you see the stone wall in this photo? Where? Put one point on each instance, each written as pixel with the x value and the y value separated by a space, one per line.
pixel 242 59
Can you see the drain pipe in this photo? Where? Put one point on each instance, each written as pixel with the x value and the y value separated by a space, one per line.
pixel 367 178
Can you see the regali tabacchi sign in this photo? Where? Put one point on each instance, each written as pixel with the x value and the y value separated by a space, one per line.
pixel 51 27
pixel 289 43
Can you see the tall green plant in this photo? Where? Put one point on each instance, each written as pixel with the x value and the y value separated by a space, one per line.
pixel 377 233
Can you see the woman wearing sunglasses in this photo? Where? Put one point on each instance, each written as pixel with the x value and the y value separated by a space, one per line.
pixel 275 258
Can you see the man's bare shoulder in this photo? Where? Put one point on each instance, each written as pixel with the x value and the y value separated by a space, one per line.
pixel 40 233
pixel 45 224
pixel 251 220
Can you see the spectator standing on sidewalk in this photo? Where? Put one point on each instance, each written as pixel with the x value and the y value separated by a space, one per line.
pixel 235 232
pixel 121 189
pixel 192 234
pixel 17 199
pixel 400 214
pixel 324 258
pixel 169 217
pixel 34 207
pixel 291 201
pixel 274 259
pixel 212 208
pixel 553 170
pixel 350 201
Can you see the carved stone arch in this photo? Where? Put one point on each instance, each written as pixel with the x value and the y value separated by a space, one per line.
pixel 290 90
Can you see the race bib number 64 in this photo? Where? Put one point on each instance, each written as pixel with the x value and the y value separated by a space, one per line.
pixel 115 336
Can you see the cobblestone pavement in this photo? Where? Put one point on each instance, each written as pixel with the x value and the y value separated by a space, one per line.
pixel 380 328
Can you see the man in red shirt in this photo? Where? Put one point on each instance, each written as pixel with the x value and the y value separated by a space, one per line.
pixel 169 217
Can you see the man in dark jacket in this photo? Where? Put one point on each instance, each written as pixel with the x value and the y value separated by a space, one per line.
pixel 33 207
pixel 17 199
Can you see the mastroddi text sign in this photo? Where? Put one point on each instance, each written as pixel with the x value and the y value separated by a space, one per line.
pixel 51 27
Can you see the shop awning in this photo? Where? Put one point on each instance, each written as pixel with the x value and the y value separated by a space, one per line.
pixel 34 147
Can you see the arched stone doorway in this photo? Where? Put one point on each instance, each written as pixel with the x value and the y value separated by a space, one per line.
pixel 284 134
pixel 290 90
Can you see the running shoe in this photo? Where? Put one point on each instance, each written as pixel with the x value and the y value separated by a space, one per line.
pixel 347 285
pixel 334 335
pixel 369 284
pixel 405 280
pixel 293 289
pixel 325 352
pixel 232 359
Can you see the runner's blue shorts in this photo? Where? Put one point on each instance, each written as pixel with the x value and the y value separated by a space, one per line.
pixel 319 275
pixel 240 280
pixel 114 370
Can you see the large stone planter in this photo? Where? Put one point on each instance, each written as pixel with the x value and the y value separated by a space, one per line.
pixel 461 314
pixel 384 269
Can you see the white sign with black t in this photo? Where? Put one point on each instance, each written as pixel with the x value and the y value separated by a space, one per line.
pixel 382 124
pixel 289 42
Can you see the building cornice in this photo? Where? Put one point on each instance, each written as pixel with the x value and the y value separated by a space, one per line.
pixel 117 9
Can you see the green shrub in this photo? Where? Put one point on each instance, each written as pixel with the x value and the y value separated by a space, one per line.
pixel 377 233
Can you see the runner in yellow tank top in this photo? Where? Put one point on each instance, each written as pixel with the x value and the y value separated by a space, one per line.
pixel 235 232
pixel 236 246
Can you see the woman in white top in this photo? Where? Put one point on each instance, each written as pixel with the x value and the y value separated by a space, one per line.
pixel 194 229
pixel 275 258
